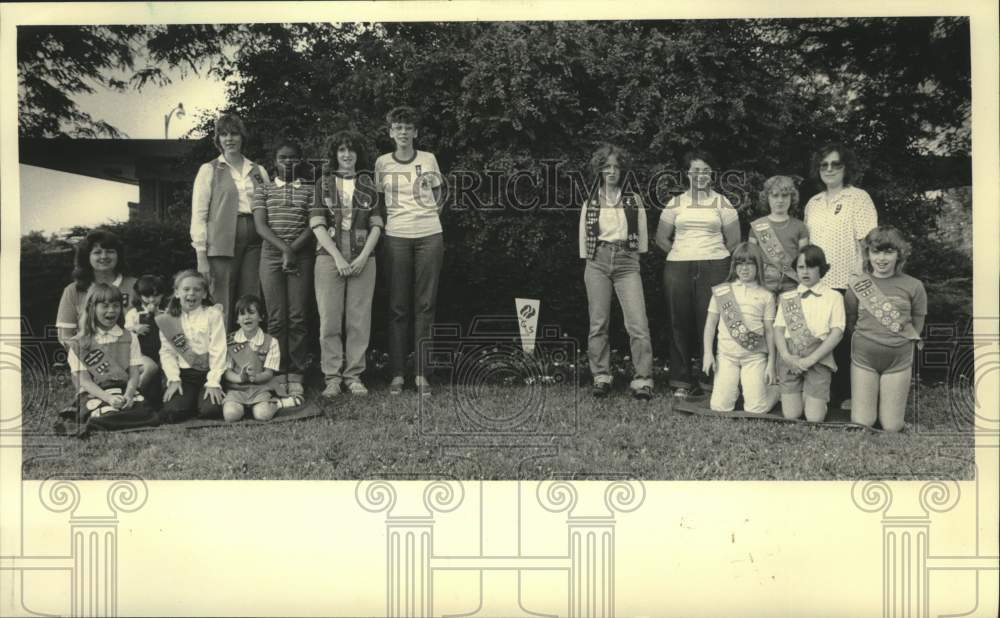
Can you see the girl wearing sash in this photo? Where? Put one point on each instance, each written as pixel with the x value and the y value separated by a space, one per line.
pixel 254 357
pixel 192 350
pixel 107 362
pixel 223 234
pixel 886 309
pixel 612 235
pixel 347 221
pixel 779 235
pixel 808 326
pixel 746 338
pixel 697 231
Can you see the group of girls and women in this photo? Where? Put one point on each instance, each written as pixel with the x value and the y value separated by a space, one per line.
pixel 766 316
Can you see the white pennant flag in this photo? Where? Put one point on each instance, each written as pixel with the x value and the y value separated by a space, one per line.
pixel 527 321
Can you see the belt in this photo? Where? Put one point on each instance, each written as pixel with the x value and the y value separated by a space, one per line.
pixel 244 214
pixel 618 244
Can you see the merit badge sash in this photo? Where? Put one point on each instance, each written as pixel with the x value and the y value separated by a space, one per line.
pixel 174 334
pixel 881 307
pixel 771 247
pixel 801 340
pixel 101 362
pixel 732 317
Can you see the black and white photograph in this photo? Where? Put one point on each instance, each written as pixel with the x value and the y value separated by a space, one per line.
pixel 449 251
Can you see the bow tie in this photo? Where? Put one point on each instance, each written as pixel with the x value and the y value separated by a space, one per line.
pixel 808 292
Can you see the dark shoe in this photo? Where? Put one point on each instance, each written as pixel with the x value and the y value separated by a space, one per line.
pixel 643 393
pixel 601 389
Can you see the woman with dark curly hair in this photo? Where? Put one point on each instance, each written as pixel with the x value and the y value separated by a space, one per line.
pixel 100 258
pixel 838 219
pixel 612 235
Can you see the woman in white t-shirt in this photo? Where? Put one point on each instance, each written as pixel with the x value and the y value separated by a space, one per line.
pixel 698 229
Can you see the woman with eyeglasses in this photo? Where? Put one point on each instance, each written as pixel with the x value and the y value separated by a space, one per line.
pixel 838 219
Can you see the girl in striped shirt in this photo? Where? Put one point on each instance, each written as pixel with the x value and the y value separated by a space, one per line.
pixel 281 216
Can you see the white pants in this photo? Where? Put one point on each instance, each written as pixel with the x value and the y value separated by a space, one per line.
pixel 746 369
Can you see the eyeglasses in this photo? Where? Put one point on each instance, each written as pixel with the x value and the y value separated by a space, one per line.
pixel 831 165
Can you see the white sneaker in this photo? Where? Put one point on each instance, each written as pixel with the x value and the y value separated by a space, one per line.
pixel 845 405
pixel 396 386
pixel 356 388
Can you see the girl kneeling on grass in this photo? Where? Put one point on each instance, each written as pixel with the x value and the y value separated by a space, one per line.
pixel 886 310
pixel 192 350
pixel 746 338
pixel 106 361
pixel 808 326
pixel 254 357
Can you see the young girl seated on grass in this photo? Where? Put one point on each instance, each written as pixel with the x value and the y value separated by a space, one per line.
pixel 254 357
pixel 886 310
pixel 106 361
pixel 746 338
pixel 809 325
pixel 140 320
pixel 192 350
pixel 778 234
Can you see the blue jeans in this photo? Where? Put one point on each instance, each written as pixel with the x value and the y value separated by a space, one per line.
pixel 615 269
pixel 414 267
pixel 688 287
pixel 287 300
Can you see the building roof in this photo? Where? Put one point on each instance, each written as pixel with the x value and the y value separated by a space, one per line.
pixel 120 160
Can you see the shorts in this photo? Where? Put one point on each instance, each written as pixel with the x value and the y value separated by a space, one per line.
pixel 251 395
pixel 813 383
pixel 879 358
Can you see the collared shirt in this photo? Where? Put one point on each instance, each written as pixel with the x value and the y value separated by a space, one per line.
pixel 205 331
pixel 201 195
pixel 273 359
pixel 73 301
pixel 104 337
pixel 836 226
pixel 822 307
pixel 756 305
pixel 698 227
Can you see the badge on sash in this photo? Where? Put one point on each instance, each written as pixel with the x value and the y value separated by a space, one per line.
pixel 800 338
pixel 732 317
pixel 881 307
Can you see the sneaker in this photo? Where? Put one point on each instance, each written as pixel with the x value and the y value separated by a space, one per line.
pixel 681 393
pixel 396 386
pixel 332 388
pixel 845 405
pixel 292 401
pixel 295 388
pixel 423 387
pixel 643 393
pixel 601 389
pixel 356 388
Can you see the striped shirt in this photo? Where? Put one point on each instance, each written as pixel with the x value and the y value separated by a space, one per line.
pixel 287 207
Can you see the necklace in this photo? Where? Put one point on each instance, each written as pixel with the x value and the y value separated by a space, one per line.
pixel 611 202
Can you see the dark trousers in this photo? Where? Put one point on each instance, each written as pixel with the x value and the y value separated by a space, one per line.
pixel 840 385
pixel 688 287
pixel 192 401
pixel 287 300
pixel 235 276
pixel 414 269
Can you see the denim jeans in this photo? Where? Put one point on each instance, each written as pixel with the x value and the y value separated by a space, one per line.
pixel 287 300
pixel 345 318
pixel 235 276
pixel 615 269
pixel 414 266
pixel 688 287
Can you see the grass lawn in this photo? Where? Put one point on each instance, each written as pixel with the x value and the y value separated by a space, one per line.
pixel 550 431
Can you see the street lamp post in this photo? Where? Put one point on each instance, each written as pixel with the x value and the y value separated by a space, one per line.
pixel 179 110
